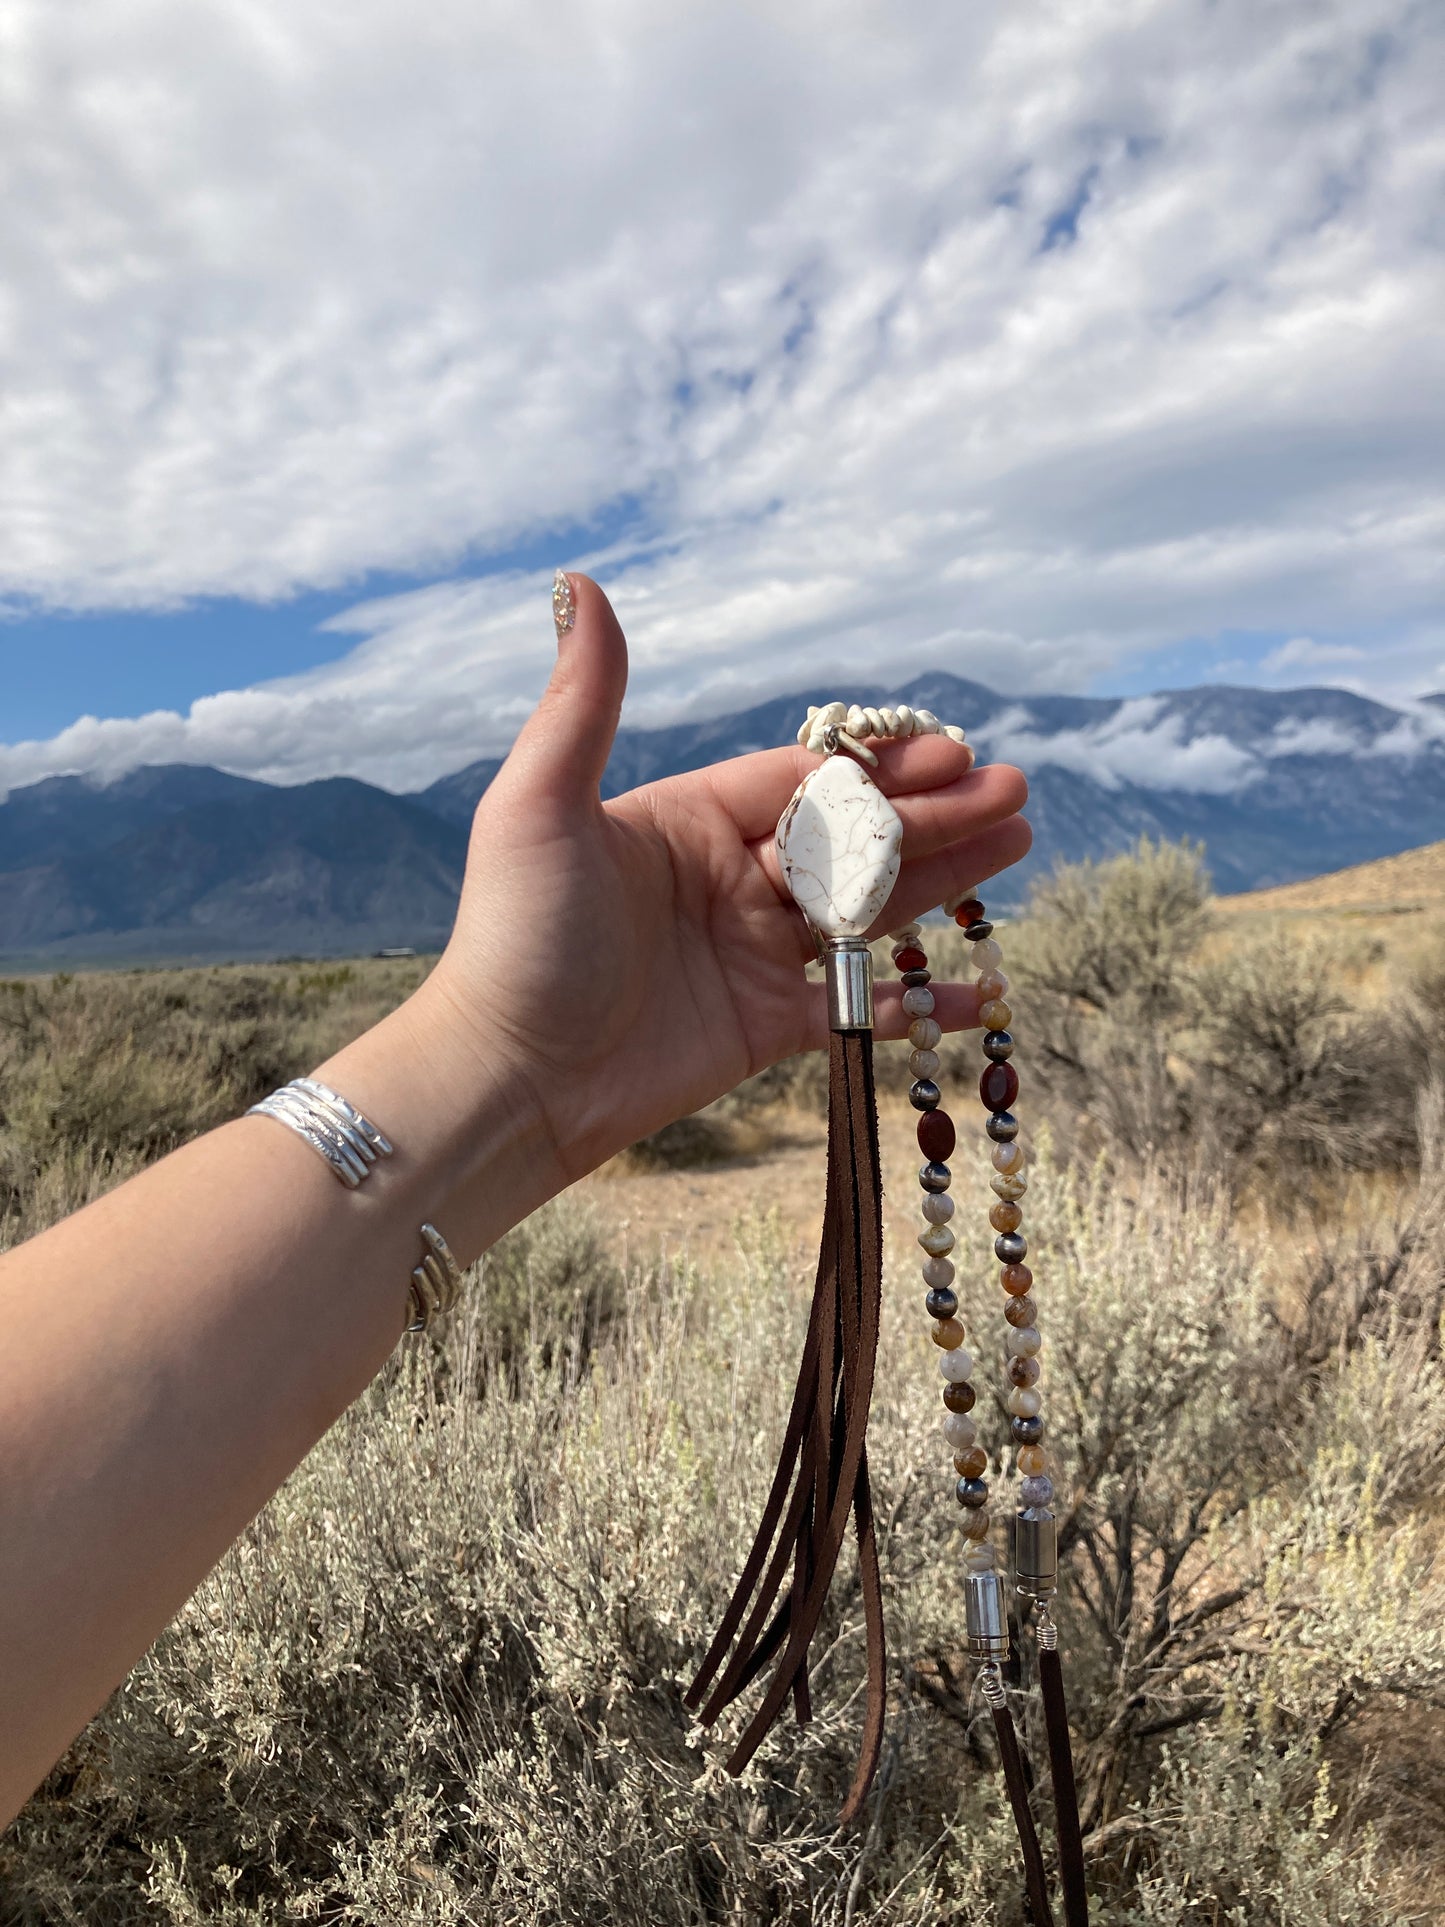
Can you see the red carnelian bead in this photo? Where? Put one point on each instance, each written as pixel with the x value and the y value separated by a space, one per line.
pixel 936 1135
pixel 911 960
pixel 998 1086
pixel 967 913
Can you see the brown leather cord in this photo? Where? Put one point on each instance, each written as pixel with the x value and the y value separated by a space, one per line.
pixel 822 1472
pixel 1036 1881
pixel 1066 1797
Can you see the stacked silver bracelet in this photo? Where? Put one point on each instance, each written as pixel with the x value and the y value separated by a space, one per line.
pixel 351 1144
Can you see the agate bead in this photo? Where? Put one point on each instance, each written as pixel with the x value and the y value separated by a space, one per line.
pixel 936 1135
pixel 1016 1279
pixel 960 1397
pixel 1031 1461
pixel 998 1086
pixel 947 1334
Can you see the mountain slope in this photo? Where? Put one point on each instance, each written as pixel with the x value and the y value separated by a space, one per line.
pixel 1278 785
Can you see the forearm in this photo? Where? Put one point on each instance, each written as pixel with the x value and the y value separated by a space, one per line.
pixel 174 1350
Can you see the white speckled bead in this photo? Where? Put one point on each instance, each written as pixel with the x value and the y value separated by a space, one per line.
pixel 1010 1188
pixel 925 1033
pixel 956 1366
pixel 979 1558
pixel 960 1430
pixel 918 1001
pixel 1008 1159
pixel 937 1241
pixel 1023 1400
pixel 937 1207
pixel 937 1273
pixel 1023 1341
pixel 924 1063
pixel 985 955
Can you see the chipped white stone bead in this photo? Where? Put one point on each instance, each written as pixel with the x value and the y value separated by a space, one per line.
pixel 937 1241
pixel 905 720
pixel 960 1430
pixel 925 1033
pixel 954 733
pixel 839 843
pixel 924 1063
pixel 927 721
pixel 918 1001
pixel 956 1366
pixel 937 1207
pixel 985 955
pixel 874 720
pixel 937 1273
pixel 1024 1401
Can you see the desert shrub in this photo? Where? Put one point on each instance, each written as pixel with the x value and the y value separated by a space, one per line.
pixel 439 1680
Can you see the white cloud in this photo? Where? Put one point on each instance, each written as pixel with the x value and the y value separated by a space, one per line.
pixel 296 293
pixel 1303 652
pixel 1139 743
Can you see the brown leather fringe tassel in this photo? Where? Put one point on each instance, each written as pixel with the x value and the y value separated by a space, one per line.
pixel 822 1472
pixel 1036 1879
pixel 1066 1798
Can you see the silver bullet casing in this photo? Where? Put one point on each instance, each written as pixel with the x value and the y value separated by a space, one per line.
pixel 985 1615
pixel 848 966
pixel 1036 1552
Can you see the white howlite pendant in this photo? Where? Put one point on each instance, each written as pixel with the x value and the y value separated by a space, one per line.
pixel 839 841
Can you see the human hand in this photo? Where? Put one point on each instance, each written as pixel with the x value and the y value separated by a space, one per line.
pixel 628 962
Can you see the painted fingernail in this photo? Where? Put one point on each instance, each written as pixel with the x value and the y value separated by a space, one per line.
pixel 564 608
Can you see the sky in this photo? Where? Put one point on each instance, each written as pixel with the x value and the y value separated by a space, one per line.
pixel 1070 347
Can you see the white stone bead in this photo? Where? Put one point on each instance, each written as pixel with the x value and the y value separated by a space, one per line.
pixel 875 720
pixel 937 1273
pixel 889 719
pixel 924 1063
pixel 954 733
pixel 1024 1402
pixel 918 1001
pixel 979 1558
pixel 927 721
pixel 1023 1343
pixel 937 1241
pixel 937 1207
pixel 1008 1159
pixel 839 843
pixel 960 1430
pixel 925 1033
pixel 985 955
pixel 905 720
pixel 1011 1187
pixel 956 1366
pixel 908 933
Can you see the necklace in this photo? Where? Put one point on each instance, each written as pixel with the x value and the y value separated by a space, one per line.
pixel 839 842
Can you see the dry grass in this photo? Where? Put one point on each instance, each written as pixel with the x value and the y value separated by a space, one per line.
pixel 438 1681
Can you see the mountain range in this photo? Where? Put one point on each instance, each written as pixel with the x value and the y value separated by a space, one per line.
pixel 188 862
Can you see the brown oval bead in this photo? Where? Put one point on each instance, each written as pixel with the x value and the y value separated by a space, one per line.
pixel 947 1334
pixel 912 959
pixel 1021 1312
pixel 1023 1372
pixel 936 1135
pixel 968 913
pixel 998 1086
pixel 960 1397
pixel 1016 1280
pixel 1006 1217
pixel 971 1464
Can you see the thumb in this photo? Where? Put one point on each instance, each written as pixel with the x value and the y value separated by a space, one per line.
pixel 564 744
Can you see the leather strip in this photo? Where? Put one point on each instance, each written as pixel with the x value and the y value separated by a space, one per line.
pixel 1036 1881
pixel 1066 1796
pixel 822 1473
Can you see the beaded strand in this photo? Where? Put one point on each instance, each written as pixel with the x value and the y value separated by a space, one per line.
pixel 998 1089
pixel 936 1139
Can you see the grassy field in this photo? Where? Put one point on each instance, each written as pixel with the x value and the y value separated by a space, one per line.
pixel 439 1680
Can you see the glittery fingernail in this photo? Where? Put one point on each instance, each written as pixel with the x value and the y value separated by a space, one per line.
pixel 564 608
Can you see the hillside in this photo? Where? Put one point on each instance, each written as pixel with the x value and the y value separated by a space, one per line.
pixel 193 863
